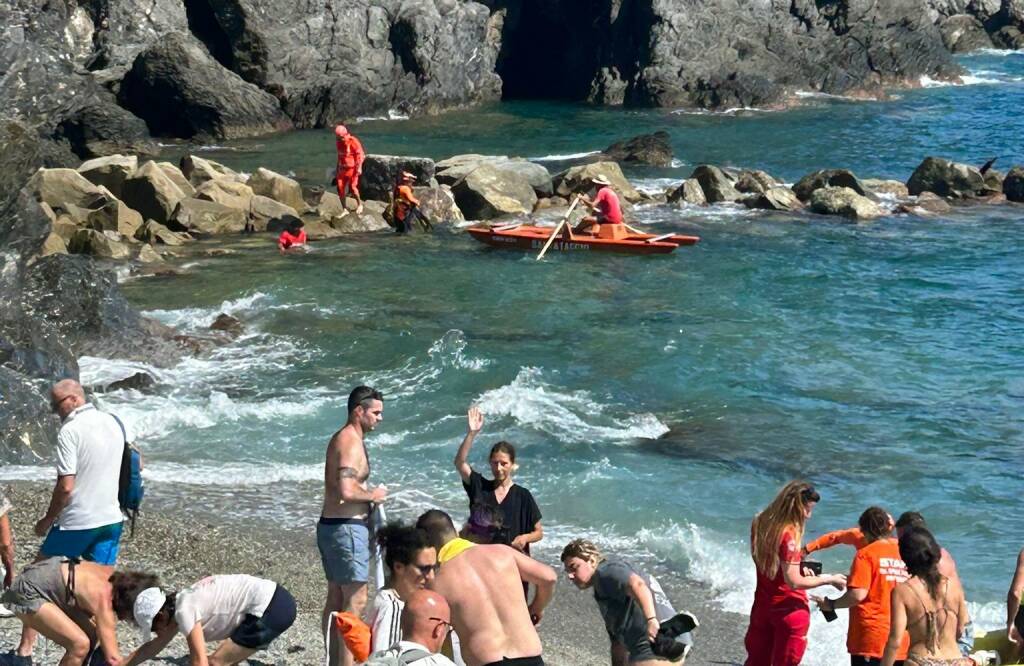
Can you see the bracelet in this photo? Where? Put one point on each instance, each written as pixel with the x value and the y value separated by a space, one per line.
pixel 652 618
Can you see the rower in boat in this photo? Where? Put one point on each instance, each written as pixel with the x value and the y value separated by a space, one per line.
pixel 606 219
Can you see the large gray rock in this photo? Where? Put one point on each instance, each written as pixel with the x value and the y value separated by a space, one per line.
pixel 277 187
pixel 774 198
pixel 1013 184
pixel 264 212
pixel 947 179
pixel 227 193
pixel 110 171
pixel 649 149
pixel 689 191
pixel 457 167
pixel 356 223
pixel 60 187
pixel 151 192
pixel 153 232
pixel 204 170
pixel 488 192
pixel 178 178
pixel 806 186
pixel 110 214
pixel 438 204
pixel 717 186
pixel 963 33
pixel 102 244
pixel 845 202
pixel 892 188
pixel 209 100
pixel 755 181
pixel 380 172
pixel 577 180
pixel 206 218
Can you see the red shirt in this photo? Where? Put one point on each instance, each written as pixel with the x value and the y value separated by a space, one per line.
pixel 287 240
pixel 607 203
pixel 776 590
pixel 350 152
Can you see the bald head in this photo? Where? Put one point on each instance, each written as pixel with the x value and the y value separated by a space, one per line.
pixel 426 619
pixel 66 396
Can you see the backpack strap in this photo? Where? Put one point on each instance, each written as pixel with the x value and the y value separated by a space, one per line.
pixel 120 424
pixel 413 655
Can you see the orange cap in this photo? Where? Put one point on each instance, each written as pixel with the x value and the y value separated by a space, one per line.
pixel 340 131
pixel 355 633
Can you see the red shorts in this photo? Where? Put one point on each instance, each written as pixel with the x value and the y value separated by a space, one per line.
pixel 348 177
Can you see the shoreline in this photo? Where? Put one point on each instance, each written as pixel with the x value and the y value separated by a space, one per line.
pixel 182 548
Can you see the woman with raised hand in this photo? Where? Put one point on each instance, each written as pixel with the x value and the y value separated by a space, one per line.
pixel 411 562
pixel 780 616
pixel 928 606
pixel 518 508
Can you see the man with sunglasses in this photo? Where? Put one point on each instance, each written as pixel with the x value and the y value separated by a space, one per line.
pixel 83 520
pixel 426 621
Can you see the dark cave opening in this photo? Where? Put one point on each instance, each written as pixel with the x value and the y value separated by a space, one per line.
pixel 552 49
pixel 203 23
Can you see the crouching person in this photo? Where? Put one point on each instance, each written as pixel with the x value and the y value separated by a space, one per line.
pixel 244 612
pixel 76 605
pixel 644 628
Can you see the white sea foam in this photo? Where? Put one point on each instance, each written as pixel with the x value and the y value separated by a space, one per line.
pixel 418 374
pixel 731 111
pixel 571 416
pixel 968 80
pixel 392 114
pixel 567 156
pixel 232 474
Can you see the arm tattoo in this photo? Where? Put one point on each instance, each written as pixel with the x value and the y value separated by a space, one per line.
pixel 348 473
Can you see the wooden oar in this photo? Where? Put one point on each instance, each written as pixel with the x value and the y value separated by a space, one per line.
pixel 558 227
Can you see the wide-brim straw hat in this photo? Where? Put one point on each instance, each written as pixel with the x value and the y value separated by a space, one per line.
pixel 408 176
pixel 600 179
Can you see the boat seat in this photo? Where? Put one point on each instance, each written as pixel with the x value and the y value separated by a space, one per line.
pixel 611 231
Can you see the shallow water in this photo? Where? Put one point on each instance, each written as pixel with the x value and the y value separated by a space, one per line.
pixel 657 402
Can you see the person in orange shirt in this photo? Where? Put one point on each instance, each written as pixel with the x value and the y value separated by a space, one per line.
pixel 405 203
pixel 876 570
pixel 350 165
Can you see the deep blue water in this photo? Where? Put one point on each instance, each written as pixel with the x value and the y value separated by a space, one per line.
pixel 657 402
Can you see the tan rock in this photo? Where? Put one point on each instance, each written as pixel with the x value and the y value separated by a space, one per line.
pixel 204 170
pixel 61 187
pixel 845 202
pixel 488 192
pixel 576 180
pixel 175 174
pixel 264 211
pixel 352 223
pixel 438 204
pixel 113 215
pixel 53 244
pixel 330 206
pixel 65 227
pixel 319 230
pixel 110 171
pixel 689 191
pixel 893 188
pixel 102 244
pixel 153 232
pixel 227 193
pixel 206 218
pixel 148 255
pixel 277 187
pixel 152 193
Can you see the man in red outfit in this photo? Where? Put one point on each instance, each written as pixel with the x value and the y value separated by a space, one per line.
pixel 605 205
pixel 350 165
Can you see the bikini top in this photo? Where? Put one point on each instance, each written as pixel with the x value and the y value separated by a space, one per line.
pixel 933 630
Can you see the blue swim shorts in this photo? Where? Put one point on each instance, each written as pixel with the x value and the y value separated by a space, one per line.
pixel 99 544
pixel 344 545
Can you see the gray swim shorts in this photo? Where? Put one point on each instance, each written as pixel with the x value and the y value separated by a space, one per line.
pixel 40 583
pixel 344 545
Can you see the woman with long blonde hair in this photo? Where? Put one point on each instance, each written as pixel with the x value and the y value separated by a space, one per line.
pixel 780 616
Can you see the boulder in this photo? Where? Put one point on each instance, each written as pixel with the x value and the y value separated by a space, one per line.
pixel 1009 37
pixel 60 187
pixel 946 178
pixel 774 198
pixel 151 192
pixel 717 186
pixel 318 230
pixel 113 215
pixel 844 201
pixel 102 244
pixel 94 125
pixel 925 204
pixel 210 101
pixel 178 178
pixel 110 172
pixel 54 244
pixel 457 167
pixel 355 223
pixel 152 232
pixel 65 227
pixel 204 170
pixel 828 178
pixel 755 182
pixel 330 206
pixel 264 211
pixel 227 193
pixel 963 33
pixel 689 191
pixel 147 255
pixel 277 187
pixel 380 172
pixel 577 180
pixel 206 218
pixel 994 180
pixel 488 192
pixel 230 325
pixel 649 149
pixel 893 188
pixel 1013 184
pixel 138 381
pixel 438 204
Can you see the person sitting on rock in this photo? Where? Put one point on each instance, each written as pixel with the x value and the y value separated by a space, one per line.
pixel 605 206
pixel 293 236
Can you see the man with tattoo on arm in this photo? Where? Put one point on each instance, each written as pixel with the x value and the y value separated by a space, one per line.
pixel 342 534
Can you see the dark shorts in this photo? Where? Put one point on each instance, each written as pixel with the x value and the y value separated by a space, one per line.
pixel 518 661
pixel 860 660
pixel 256 633
pixel 344 545
pixel 99 544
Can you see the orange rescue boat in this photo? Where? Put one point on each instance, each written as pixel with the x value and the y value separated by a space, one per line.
pixel 618 238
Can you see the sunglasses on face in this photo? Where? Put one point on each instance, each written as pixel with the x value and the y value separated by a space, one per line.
pixel 447 625
pixel 55 404
pixel 427 569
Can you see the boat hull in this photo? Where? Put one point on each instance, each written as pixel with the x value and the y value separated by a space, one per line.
pixel 531 238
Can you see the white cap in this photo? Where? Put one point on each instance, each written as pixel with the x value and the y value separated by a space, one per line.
pixel 147 605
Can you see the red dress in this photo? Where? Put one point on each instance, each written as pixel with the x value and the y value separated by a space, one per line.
pixel 350 163
pixel 780 617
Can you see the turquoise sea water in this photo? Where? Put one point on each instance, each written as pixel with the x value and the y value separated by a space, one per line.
pixel 657 402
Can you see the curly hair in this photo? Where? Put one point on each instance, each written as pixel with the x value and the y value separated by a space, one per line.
pixel 584 550
pixel 400 543
pixel 126 587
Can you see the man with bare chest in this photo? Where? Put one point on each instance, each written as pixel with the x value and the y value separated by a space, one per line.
pixel 483 586
pixel 343 534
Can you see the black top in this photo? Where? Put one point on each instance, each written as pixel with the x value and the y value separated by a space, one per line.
pixel 519 510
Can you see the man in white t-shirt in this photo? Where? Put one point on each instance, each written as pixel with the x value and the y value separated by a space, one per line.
pixel 84 517
pixel 426 621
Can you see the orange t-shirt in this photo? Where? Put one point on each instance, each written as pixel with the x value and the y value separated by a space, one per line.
pixel 876 568
pixel 851 537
